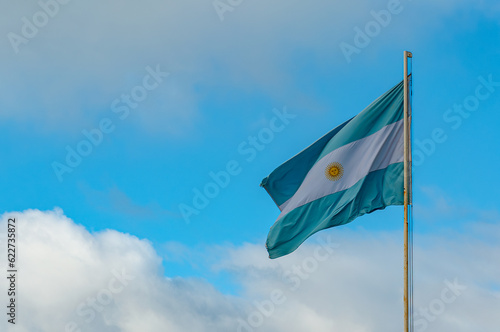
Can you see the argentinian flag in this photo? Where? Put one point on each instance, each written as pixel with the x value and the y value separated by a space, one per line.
pixel 355 169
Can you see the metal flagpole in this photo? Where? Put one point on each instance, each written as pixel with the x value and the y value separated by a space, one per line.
pixel 407 189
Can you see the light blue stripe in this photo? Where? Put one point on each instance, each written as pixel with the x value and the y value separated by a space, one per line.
pixel 374 192
pixel 387 109
pixel 285 180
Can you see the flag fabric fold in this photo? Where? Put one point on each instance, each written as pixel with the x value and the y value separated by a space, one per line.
pixel 354 169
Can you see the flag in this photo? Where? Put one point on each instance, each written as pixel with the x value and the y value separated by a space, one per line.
pixel 354 169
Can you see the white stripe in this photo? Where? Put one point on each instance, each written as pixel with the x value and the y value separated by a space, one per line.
pixel 371 153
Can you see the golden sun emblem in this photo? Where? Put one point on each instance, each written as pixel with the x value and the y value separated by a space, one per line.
pixel 334 171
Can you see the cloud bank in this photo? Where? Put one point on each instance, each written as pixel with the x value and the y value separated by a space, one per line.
pixel 74 280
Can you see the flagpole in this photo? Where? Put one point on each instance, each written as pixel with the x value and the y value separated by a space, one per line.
pixel 407 188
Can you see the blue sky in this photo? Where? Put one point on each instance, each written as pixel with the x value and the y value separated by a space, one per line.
pixel 227 79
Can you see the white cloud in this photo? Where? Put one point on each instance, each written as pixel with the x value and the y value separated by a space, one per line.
pixel 353 285
pixel 62 267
